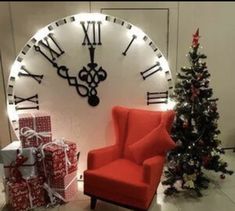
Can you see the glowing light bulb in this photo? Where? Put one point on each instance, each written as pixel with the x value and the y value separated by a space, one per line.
pixel 42 33
pixel 15 69
pixel 12 113
pixel 171 104
pixel 138 33
pixel 164 64
pixel 90 17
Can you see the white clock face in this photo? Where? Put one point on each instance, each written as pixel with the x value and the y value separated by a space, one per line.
pixel 78 68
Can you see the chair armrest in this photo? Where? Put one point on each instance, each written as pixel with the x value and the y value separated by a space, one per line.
pixel 153 168
pixel 102 156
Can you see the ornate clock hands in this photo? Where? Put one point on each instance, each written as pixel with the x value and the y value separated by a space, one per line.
pixel 92 77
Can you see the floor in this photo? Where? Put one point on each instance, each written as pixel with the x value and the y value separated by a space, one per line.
pixel 220 196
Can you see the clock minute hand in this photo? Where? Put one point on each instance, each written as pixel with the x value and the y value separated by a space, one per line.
pixel 92 57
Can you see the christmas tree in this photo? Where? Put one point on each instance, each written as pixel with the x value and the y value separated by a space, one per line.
pixel 195 129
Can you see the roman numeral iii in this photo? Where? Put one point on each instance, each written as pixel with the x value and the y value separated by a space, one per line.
pixel 92 32
pixel 49 48
pixel 157 97
pixel 150 71
pixel 32 102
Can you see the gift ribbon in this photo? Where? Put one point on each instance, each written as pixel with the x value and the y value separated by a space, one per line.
pixel 53 191
pixel 30 133
pixel 30 196
pixel 58 142
pixel 61 189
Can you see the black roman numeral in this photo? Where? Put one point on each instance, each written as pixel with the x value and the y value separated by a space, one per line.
pixel 129 45
pixel 33 100
pixel 92 35
pixel 150 71
pixel 51 49
pixel 26 73
pixel 157 97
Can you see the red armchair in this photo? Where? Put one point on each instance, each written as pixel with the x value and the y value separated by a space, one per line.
pixel 128 173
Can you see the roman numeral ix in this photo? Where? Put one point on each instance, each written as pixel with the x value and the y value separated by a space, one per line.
pixel 92 35
pixel 33 100
pixel 49 48
pixel 150 71
pixel 26 73
pixel 157 97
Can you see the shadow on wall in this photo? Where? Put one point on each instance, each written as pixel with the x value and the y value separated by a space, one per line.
pixel 230 135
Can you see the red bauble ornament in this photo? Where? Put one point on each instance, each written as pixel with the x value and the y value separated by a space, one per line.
pixel 206 160
pixel 195 92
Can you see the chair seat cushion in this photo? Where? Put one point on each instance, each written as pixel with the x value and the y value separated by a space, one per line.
pixel 158 141
pixel 121 177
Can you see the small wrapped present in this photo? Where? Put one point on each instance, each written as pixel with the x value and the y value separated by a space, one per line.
pixel 35 129
pixel 25 194
pixel 64 188
pixel 59 158
pixel 11 153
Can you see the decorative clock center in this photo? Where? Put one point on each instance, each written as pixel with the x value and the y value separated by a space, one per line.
pixel 92 76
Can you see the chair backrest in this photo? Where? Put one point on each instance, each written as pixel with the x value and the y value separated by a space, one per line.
pixel 133 124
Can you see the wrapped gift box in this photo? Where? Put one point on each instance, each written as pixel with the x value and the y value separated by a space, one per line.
pixel 34 129
pixel 60 159
pixel 9 154
pixel 65 188
pixel 26 194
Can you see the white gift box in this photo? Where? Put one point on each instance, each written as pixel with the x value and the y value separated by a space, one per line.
pixel 9 155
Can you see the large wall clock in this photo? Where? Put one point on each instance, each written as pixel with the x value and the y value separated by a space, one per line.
pixel 79 67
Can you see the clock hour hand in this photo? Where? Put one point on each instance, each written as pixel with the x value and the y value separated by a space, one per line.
pixel 92 64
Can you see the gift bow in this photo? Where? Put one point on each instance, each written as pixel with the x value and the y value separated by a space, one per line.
pixel 30 133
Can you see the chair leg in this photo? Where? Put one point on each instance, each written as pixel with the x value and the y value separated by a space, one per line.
pixel 93 202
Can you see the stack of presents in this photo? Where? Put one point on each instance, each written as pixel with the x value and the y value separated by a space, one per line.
pixel 39 171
